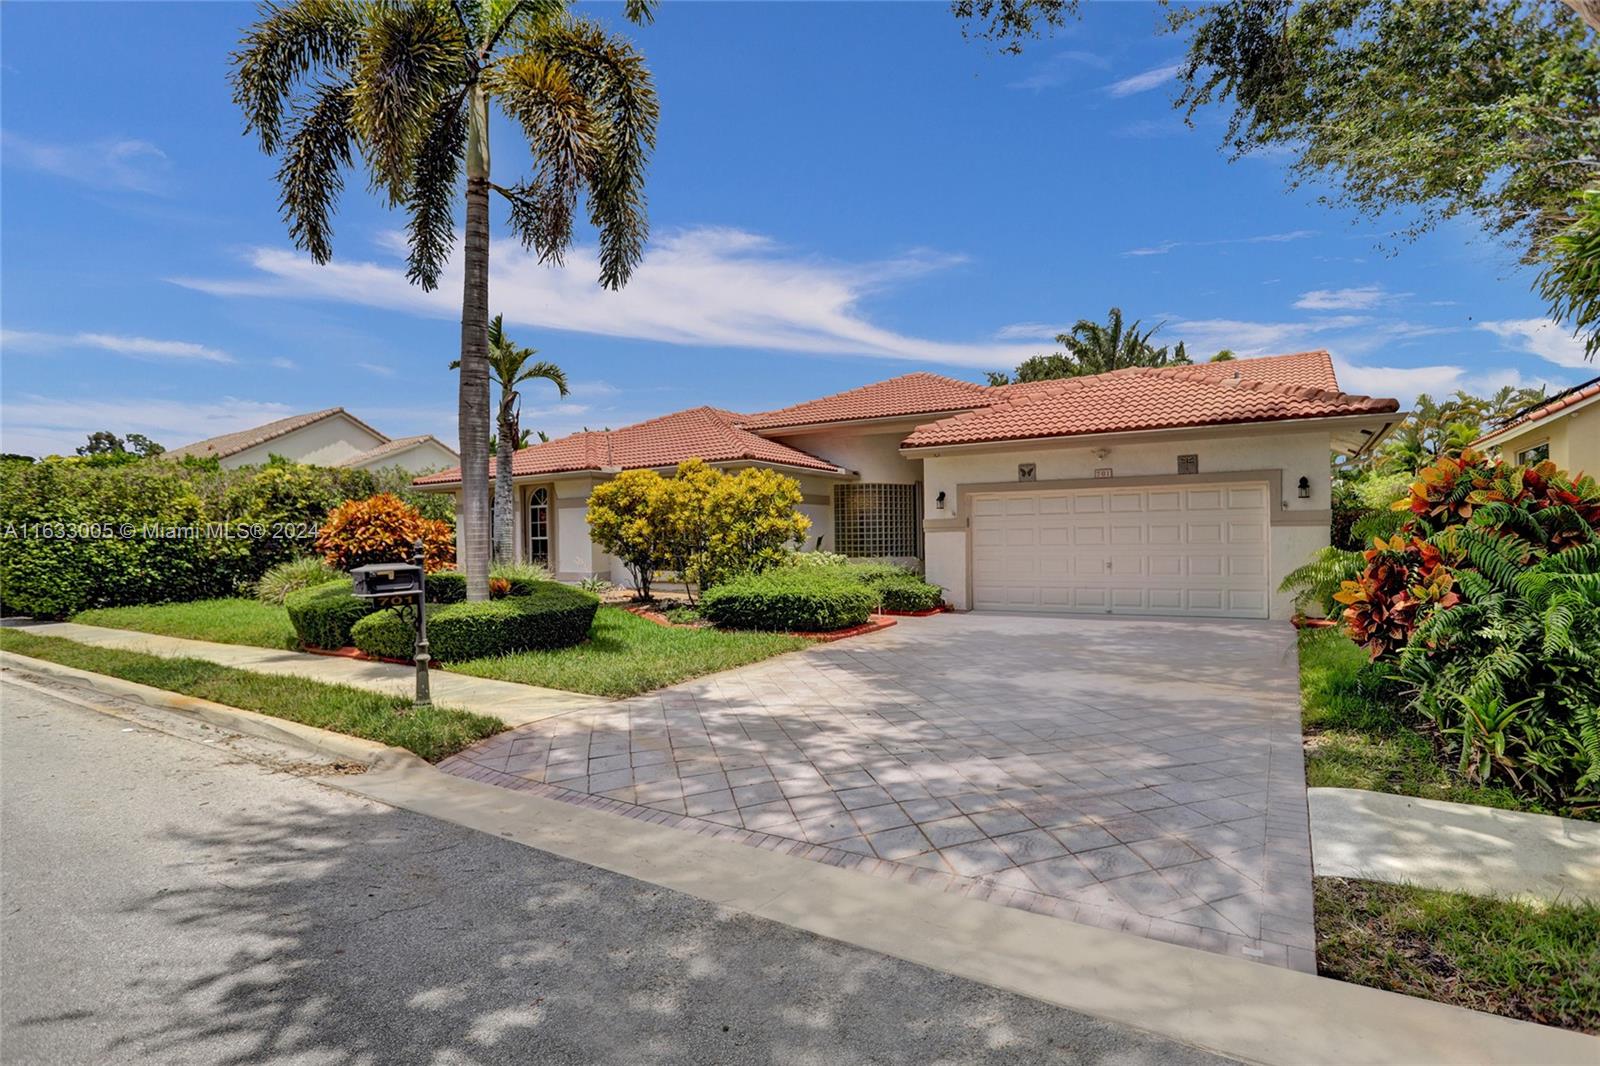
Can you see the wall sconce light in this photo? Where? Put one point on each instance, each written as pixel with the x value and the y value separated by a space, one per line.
pixel 938 501
pixel 1305 488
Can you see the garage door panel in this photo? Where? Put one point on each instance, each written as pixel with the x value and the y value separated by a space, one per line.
pixel 1176 550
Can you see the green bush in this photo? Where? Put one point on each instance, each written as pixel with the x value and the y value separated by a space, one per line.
pixel 803 600
pixel 907 593
pixel 292 576
pixel 76 534
pixel 450 586
pixel 323 615
pixel 548 616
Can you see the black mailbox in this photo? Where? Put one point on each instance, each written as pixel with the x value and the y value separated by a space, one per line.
pixel 379 581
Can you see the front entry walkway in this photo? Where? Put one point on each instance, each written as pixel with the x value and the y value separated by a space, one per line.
pixel 1136 774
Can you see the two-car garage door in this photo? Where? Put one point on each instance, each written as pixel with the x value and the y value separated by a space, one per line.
pixel 1177 550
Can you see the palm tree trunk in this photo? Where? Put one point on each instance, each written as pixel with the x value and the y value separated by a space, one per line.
pixel 503 551
pixel 473 413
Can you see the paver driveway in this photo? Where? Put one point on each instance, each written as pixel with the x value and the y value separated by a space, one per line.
pixel 1131 773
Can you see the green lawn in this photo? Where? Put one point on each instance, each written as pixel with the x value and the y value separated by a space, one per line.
pixel 231 621
pixel 1537 963
pixel 626 655
pixel 1356 739
pixel 432 733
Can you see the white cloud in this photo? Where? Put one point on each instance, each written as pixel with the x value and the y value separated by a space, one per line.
pixel 1032 331
pixel 1405 383
pixel 113 163
pixel 1358 298
pixel 148 348
pixel 1163 247
pixel 284 364
pixel 1539 336
pixel 1144 81
pixel 38 425
pixel 708 286
pixel 377 368
pixel 1058 69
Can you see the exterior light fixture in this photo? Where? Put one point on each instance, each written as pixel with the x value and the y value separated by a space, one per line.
pixel 1305 488
pixel 938 501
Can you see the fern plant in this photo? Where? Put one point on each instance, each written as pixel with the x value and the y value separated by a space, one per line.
pixel 1315 583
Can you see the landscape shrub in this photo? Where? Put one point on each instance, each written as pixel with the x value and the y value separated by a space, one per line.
pixel 547 616
pixel 703 524
pixel 1486 605
pixel 292 576
pixel 790 600
pixel 381 529
pixel 323 615
pixel 908 593
pixel 78 534
pixel 899 588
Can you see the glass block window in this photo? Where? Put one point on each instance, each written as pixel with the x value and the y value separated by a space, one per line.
pixel 870 521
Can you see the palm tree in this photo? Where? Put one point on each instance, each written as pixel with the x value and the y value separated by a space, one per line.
pixel 405 85
pixel 1097 349
pixel 509 366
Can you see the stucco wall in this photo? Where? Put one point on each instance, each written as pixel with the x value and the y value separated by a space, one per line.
pixel 875 457
pixel 1574 440
pixel 1294 455
pixel 323 443
pixel 424 457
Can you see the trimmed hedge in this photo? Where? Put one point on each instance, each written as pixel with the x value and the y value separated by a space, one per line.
pixel 323 615
pixel 450 586
pixel 907 593
pixel 803 600
pixel 549 615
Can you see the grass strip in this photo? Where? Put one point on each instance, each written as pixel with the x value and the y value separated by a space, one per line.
pixel 1539 963
pixel 225 621
pixel 432 732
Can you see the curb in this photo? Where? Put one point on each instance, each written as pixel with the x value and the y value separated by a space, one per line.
pixel 369 753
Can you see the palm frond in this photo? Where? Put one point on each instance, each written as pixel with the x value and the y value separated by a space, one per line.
pixel 431 200
pixel 310 175
pixel 290 44
pixel 545 372
pixel 537 91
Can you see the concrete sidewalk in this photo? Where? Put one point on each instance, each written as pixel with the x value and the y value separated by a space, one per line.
pixel 1455 847
pixel 512 703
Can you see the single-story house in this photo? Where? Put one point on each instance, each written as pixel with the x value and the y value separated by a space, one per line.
pixel 332 437
pixel 1177 491
pixel 1564 429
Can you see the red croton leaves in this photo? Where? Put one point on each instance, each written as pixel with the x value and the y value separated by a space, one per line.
pixel 1403 579
pixel 381 529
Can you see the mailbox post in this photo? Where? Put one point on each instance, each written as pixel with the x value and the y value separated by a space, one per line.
pixel 403 587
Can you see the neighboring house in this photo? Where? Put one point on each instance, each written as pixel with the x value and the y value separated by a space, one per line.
pixel 1564 429
pixel 333 437
pixel 1179 491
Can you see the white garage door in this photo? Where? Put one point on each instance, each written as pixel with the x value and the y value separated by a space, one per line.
pixel 1177 550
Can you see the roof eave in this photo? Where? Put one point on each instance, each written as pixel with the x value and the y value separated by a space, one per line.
pixel 880 420
pixel 1207 428
pixel 1535 419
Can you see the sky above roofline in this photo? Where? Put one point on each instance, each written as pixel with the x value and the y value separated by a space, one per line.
pixel 843 193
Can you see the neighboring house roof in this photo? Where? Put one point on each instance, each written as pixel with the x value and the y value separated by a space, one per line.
pixel 1560 403
pixel 698 433
pixel 920 393
pixel 394 448
pixel 234 443
pixel 1149 398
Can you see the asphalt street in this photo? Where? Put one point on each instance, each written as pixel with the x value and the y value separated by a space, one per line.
pixel 172 901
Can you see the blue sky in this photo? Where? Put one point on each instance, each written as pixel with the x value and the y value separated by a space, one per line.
pixel 842 192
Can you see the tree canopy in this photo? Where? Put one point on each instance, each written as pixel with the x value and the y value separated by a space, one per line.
pixel 1095 348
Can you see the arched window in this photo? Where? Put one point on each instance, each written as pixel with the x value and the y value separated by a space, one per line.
pixel 539 526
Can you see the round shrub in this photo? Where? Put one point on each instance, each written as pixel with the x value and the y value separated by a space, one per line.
pixel 907 593
pixel 323 615
pixel 292 576
pixel 446 586
pixel 549 615
pixel 450 586
pixel 805 600
pixel 381 529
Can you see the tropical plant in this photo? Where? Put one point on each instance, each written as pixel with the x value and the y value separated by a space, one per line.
pixel 1570 276
pixel 292 576
pixel 509 367
pixel 1093 348
pixel 1316 583
pixel 405 85
pixel 629 518
pixel 383 529
pixel 1403 579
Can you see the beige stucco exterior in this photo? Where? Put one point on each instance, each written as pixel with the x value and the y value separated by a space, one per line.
pixel 1573 435
pixel 424 457
pixel 1277 459
pixel 327 442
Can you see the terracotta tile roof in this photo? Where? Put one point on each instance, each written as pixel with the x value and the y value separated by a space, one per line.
pixel 1561 401
pixel 920 393
pixel 1139 399
pixel 394 447
pixel 698 433
pixel 234 443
